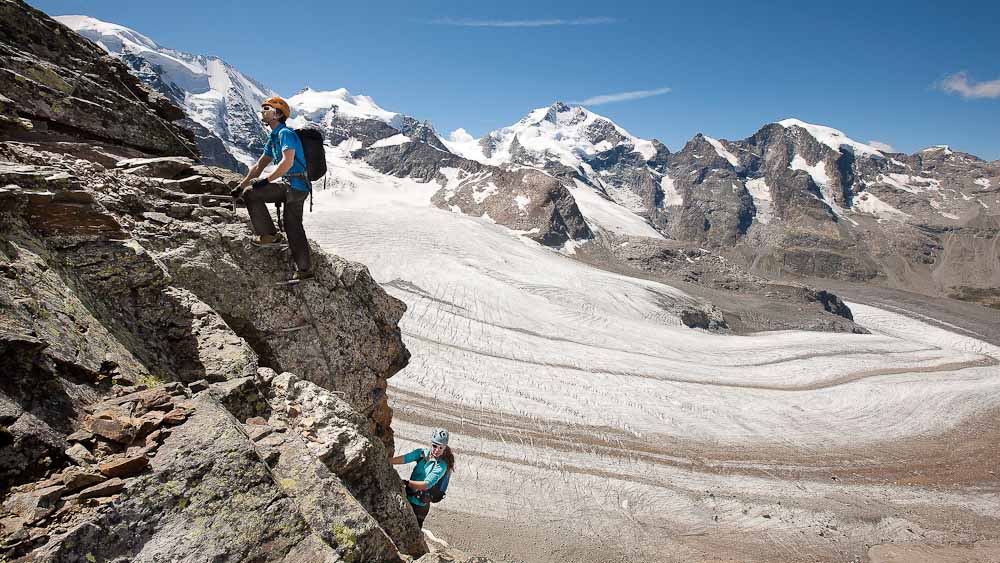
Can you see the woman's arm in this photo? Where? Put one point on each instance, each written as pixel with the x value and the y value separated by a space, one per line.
pixel 396 460
pixel 435 475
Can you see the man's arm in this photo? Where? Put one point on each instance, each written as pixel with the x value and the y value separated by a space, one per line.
pixel 287 160
pixel 255 171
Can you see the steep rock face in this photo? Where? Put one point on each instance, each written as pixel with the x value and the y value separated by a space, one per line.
pixel 330 429
pixel 64 83
pixel 716 205
pixel 340 332
pixel 828 206
pixel 187 242
pixel 802 193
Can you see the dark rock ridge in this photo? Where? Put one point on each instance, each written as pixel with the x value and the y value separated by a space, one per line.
pixel 726 296
pixel 63 84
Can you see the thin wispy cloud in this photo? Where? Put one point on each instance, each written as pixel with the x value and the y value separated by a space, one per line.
pixel 621 97
pixel 959 83
pixel 884 147
pixel 523 23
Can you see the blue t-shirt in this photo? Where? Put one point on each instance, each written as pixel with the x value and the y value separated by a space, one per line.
pixel 427 469
pixel 280 140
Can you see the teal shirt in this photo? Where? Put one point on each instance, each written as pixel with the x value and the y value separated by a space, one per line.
pixel 280 140
pixel 426 470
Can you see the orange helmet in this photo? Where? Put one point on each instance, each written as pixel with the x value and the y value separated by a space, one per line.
pixel 279 104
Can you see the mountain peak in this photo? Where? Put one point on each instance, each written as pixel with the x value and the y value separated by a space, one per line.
pixel 833 138
pixel 945 149
pixel 312 103
pixel 111 37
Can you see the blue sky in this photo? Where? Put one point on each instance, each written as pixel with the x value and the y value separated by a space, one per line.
pixel 909 74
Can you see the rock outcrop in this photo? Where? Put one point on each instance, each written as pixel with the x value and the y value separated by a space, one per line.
pixel 523 199
pixel 137 274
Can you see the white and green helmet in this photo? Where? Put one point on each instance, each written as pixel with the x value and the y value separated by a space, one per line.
pixel 440 436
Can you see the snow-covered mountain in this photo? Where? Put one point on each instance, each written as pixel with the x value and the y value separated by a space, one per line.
pixel 572 136
pixel 574 143
pixel 220 101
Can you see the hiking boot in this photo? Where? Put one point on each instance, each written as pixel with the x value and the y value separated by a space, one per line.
pixel 268 240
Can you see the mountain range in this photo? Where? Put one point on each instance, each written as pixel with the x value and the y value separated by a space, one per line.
pixel 794 200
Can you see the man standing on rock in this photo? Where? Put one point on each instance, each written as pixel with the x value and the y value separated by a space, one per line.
pixel 284 147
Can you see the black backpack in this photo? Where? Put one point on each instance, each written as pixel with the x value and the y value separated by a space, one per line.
pixel 436 493
pixel 315 153
pixel 315 162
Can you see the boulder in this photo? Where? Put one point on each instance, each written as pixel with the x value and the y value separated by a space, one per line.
pixel 80 455
pixel 125 466
pixel 76 478
pixel 31 506
pixel 102 489
pixel 338 437
pixel 207 493
pixel 116 430
pixel 164 167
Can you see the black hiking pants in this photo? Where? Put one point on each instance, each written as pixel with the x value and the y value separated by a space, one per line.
pixel 294 201
pixel 421 513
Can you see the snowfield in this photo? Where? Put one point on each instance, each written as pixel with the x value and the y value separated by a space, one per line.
pixel 562 382
pixel 496 321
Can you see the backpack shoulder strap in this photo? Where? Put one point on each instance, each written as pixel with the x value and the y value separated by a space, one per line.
pixel 303 161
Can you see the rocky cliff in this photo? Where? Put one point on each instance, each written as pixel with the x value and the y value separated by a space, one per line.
pixel 117 280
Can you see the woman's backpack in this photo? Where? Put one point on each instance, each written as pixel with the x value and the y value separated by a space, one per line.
pixel 436 493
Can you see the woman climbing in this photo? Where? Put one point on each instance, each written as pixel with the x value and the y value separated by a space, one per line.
pixel 432 466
